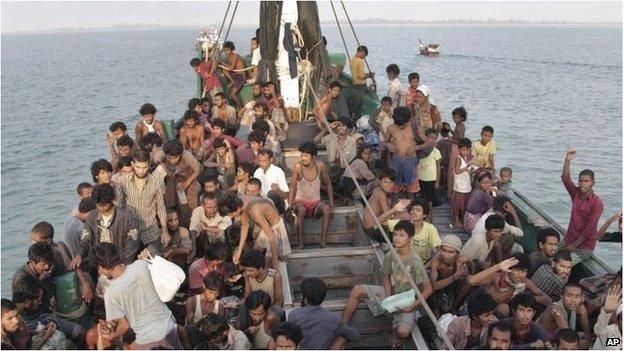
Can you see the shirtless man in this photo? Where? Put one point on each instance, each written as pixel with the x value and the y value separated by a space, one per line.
pixel 402 144
pixel 305 194
pixel 379 205
pixel 192 134
pixel 447 275
pixel 324 108
pixel 261 212
pixel 148 124
pixel 234 71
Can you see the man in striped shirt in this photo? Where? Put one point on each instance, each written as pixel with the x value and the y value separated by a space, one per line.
pixel 143 194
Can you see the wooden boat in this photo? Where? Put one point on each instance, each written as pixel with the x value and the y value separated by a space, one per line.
pixel 428 49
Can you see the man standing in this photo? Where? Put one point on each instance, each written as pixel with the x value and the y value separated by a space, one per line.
pixel 357 66
pixel 182 171
pixel 586 210
pixel 395 88
pixel 142 194
pixel 72 228
pixel 274 184
pixel 131 301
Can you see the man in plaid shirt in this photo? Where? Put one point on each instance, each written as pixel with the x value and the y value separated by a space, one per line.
pixel 551 278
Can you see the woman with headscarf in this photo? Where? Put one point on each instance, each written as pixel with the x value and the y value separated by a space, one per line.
pixel 427 114
pixel 362 167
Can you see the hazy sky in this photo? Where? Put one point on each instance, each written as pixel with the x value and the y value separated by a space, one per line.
pixel 33 16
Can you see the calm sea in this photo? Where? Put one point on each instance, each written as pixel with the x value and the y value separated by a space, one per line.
pixel 543 89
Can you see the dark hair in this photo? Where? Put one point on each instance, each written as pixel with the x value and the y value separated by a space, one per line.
pixel 422 203
pixel 193 102
pixel 461 112
pixel 506 169
pixel 103 194
pixel 214 281
pixel 567 335
pixel 86 205
pixel 502 325
pixel 386 99
pixel 147 109
pixel 406 226
pixel 117 125
pixel 218 123
pixel 313 290
pixel 255 181
pixel 25 289
pixel 525 299
pixel 213 325
pixel 152 138
pixel 221 95
pixel 265 152
pixel 571 284
pixel 464 142
pixel 335 84
pixel 445 130
pixel 499 203
pixel 262 105
pixel 401 115
pixel 44 229
pixel 587 172
pixel 105 255
pixel 216 250
pixel 413 76
pixel 256 39
pixel 261 126
pixel 253 258
pixel 480 302
pixel 348 122
pixel 363 49
pixel 125 161
pixel 544 233
pixel 195 62
pixel 209 196
pixel 140 155
pixel 206 99
pixel 229 45
pixel 247 167
pixel 393 68
pixel 256 136
pixel 40 252
pixel 213 178
pixel 190 114
pixel 487 129
pixel 481 175
pixel 173 148
pixel 388 173
pixel 81 186
pixel 430 131
pixel 230 203
pixel 494 221
pixel 125 140
pixel 309 148
pixel 7 305
pixel 564 255
pixel 256 299
pixel 99 165
pixel 219 142
pixel 524 262
pixel 290 331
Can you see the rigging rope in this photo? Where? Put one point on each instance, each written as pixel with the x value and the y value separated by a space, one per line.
pixel 227 33
pixel 344 42
pixel 227 11
pixel 358 42
pixel 392 250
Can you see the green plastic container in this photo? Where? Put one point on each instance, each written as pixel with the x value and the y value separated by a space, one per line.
pixel 68 298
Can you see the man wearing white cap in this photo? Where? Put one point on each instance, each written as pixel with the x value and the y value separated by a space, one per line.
pixel 448 270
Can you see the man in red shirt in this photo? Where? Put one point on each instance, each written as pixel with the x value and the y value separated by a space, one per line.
pixel 587 207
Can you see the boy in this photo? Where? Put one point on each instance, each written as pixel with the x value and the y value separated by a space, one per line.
pixel 287 336
pixel 526 333
pixel 325 109
pixel 504 181
pixel 426 236
pixel 221 162
pixel 569 312
pixel 429 173
pixel 447 275
pixel 381 120
pixel 551 278
pixel 258 277
pixel 125 144
pixel 101 171
pixel 410 97
pixel 484 150
pixel 395 88
pixel 395 281
pixel 244 172
pixel 192 134
pixel 568 339
pixel 212 261
pixel 218 127
pixel 341 140
pixel 149 124
pixel 502 206
pixel 116 131
pixel 234 71
pixel 84 191
pixel 481 308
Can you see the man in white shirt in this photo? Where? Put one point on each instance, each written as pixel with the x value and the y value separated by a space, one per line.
pixel 395 88
pixel 502 206
pixel 207 225
pixel 479 246
pixel 255 59
pixel 273 178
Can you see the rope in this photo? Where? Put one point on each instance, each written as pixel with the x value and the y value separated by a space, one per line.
pixel 344 42
pixel 227 11
pixel 358 42
pixel 235 70
pixel 227 33
pixel 392 250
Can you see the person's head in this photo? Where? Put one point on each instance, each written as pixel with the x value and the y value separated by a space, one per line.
pixel 505 175
pixel 27 293
pixel 195 104
pixel 125 165
pixel 269 90
pixel 210 204
pixel 206 104
pixel 218 125
pixel 523 307
pixel 118 129
pixel 103 195
pixel 220 146
pixel 140 163
pixel 334 89
pixel 572 297
pixel 256 90
pixel 414 80
pixel 228 47
pixel 85 206
pixel 148 111
pixel 494 226
pixel 432 135
pixel 586 181
pixel 106 257
pixel 10 317
pixel 40 258
pixel 215 328
pixel 487 133
pixel 265 158
pixel 254 186
pixel 499 205
pixel 548 241
pixel 484 180
pixel 308 152
pixel 219 99
pixel 256 140
pixel 403 233
pixel 173 222
pixel 393 71
pixel 84 190
pixel 313 291
pixel 257 304
pixel 401 115
pixel 261 110
pixel 449 249
pixel 42 232
pixel 195 62
pixel 125 145
pixel 173 150
pixel 255 43
pixel 362 51
pixel 445 130
pixel 422 95
pixel 287 336
pixel 387 178
pixel 216 251
pixel 420 210
pixel 211 184
pixel 459 114
pixel 519 271
pixel 500 335
pixel 214 283
pixel 253 262
pixel 464 147
pixel 101 171
pixel 567 339
pixel 261 126
pixel 190 118
pixel 386 104
pixel 562 264
pixel 481 307
pixel 245 171
pixel 150 141
pixel 365 152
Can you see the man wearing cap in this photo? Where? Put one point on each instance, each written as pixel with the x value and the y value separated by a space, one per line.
pixel 448 270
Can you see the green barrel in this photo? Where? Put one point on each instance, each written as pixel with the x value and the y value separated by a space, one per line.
pixel 169 126
pixel 338 59
pixel 68 298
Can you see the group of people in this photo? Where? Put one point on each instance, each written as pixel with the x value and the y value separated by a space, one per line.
pixel 212 196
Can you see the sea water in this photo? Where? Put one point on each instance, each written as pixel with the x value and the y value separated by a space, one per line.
pixel 542 88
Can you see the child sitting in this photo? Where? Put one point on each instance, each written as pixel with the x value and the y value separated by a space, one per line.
pixel 198 306
pixel 258 277
pixel 504 181
pixel 461 182
pixel 484 149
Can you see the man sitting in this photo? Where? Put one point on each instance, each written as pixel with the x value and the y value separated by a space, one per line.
pixel 547 243
pixel 569 312
pixel 526 333
pixel 273 178
pixel 180 248
pixel 448 274
pixel 481 308
pixel 206 223
pixel 551 278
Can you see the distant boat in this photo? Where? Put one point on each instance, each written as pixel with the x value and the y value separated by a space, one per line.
pixel 429 49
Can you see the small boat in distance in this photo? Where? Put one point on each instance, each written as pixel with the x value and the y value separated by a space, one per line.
pixel 429 49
